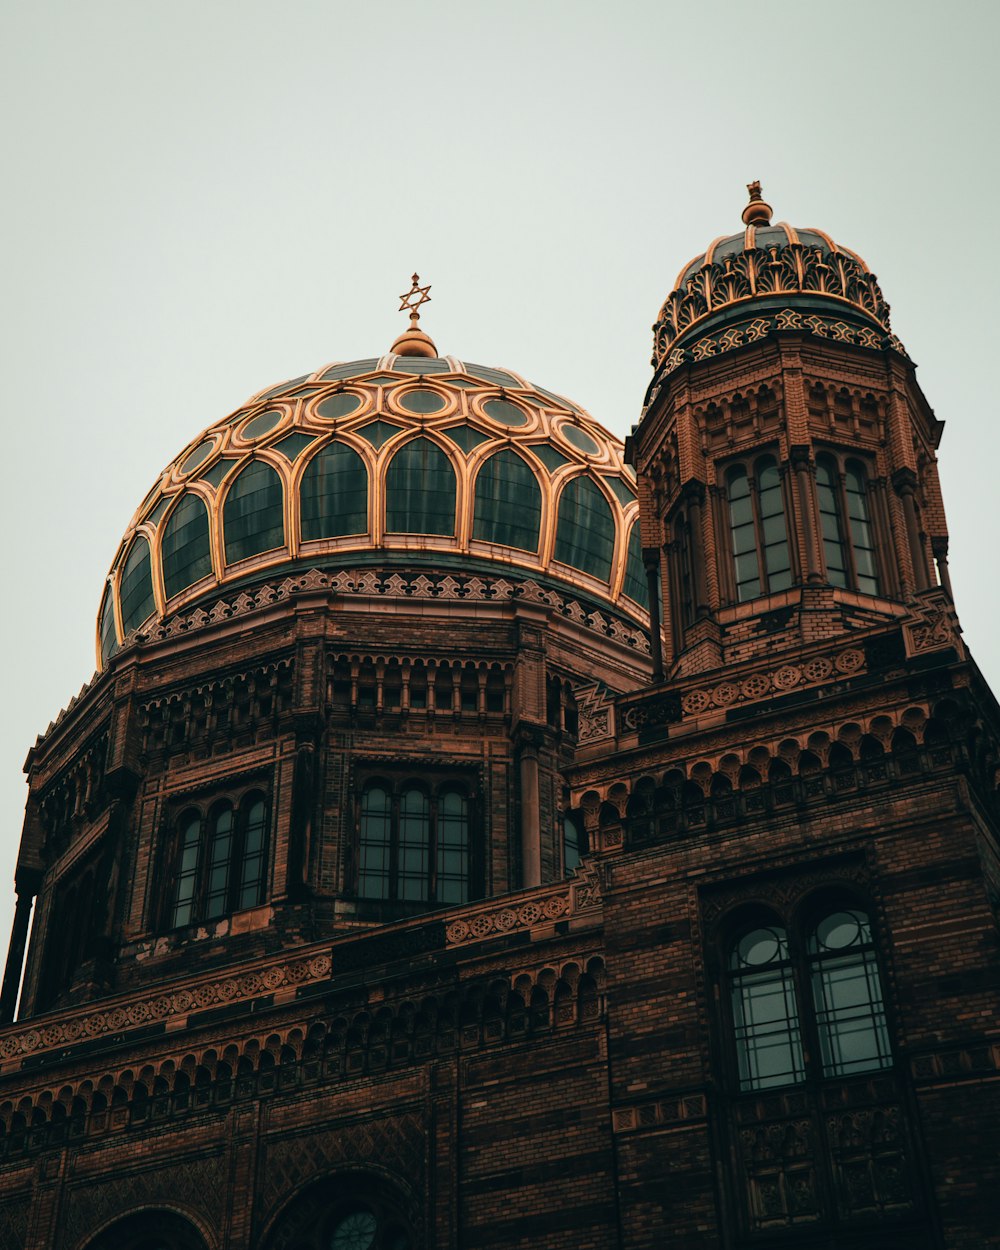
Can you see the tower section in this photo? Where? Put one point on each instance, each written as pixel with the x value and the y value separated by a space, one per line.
pixel 786 451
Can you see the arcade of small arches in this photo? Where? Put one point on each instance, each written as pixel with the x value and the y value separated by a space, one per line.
pixel 747 779
pixel 349 1044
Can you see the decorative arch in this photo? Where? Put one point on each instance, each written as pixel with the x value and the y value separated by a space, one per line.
pixel 420 490
pixel 585 529
pixel 508 502
pixel 333 494
pixel 253 518
pixel 185 545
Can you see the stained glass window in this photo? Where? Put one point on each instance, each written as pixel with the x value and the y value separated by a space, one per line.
pixel 508 506
pixel 136 590
pixel 221 861
pixel 253 519
pixel 862 542
pixel 334 494
pixel 109 639
pixel 585 533
pixel 374 871
pixel 827 490
pixel 636 585
pixel 758 534
pixel 452 848
pixel 420 490
pixel 185 549
pixel 187 870
pixel 848 542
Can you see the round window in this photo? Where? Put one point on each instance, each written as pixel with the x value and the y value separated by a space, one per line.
pixel 260 425
pixel 421 401
pixel 504 412
pixel 581 441
pixel 195 458
pixel 355 1231
pixel 338 406
pixel 758 948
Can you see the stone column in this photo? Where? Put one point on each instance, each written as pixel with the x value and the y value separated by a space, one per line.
pixel 905 483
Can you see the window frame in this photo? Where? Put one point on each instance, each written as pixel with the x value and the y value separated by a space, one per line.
pixel 435 788
pixel 800 928
pixel 240 808
pixel 841 462
pixel 752 466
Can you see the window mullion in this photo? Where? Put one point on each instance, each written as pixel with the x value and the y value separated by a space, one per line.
pixel 394 846
pixel 432 848
pixel 758 532
pixel 848 535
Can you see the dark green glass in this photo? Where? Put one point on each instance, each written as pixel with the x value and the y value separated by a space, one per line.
pixel 335 406
pixel 217 472
pixel 136 590
pixel 379 432
pixel 334 494
pixel 292 445
pixel 508 506
pixel 260 425
pixel 492 375
pixel 421 401
pixel 636 586
pixel 109 639
pixel 580 439
pixel 351 369
pixel 466 437
pixel 548 455
pixel 252 518
pixel 585 532
pixel 505 413
pixel 200 453
pixel 420 490
pixel 185 550
pixel 624 492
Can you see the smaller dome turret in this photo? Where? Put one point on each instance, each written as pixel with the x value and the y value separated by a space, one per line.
pixel 769 277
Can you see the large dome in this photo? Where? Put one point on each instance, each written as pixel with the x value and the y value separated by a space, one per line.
pixel 392 461
pixel 769 277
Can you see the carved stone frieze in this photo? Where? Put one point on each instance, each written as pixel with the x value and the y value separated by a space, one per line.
pixel 580 894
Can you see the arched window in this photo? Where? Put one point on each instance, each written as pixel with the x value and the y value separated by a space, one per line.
pixel 348 1212
pixel 414 843
pixel 765 1016
pixel 109 637
pixel 635 585
pixel 253 514
pixel 219 861
pixel 149 1230
pixel 821 981
pixel 508 507
pixel 185 548
pixel 136 592
pixel 334 494
pixel 757 530
pixel 848 543
pixel 420 490
pixel 574 843
pixel 847 995
pixel 585 533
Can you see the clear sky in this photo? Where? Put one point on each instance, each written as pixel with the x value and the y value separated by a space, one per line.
pixel 203 198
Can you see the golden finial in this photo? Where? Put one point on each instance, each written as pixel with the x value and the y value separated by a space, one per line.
pixel 758 211
pixel 414 342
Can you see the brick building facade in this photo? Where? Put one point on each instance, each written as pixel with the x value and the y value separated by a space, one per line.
pixel 483 835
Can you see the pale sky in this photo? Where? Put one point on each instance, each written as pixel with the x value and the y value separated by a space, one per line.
pixel 206 198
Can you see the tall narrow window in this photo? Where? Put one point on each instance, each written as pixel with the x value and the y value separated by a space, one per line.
pixel 220 854
pixel 508 505
pixel 848 544
pixel 414 845
pixel 585 529
pixel 765 1017
pixel 453 848
pixel 847 995
pixel 253 514
pixel 375 843
pixel 420 490
pixel 254 857
pixel 758 533
pixel 574 844
pixel 220 863
pixel 187 870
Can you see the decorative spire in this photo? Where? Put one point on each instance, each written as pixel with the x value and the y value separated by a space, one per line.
pixel 414 342
pixel 758 211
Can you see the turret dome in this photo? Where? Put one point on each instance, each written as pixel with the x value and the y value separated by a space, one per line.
pixel 399 462
pixel 769 277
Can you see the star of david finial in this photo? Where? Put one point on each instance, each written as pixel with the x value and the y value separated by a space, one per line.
pixel 414 297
